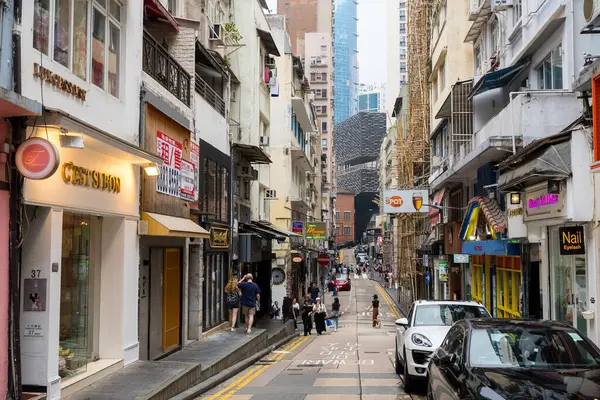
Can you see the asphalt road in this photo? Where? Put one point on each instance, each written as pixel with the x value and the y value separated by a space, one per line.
pixel 356 362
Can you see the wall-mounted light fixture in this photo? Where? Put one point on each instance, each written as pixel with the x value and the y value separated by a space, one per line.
pixel 515 198
pixel 152 170
pixel 492 194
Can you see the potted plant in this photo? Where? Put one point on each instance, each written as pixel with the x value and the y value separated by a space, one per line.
pixel 232 32
pixel 64 361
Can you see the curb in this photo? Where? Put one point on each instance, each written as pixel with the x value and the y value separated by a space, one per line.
pixel 222 376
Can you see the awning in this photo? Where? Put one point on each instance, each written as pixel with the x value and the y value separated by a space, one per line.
pixel 254 154
pixel 494 216
pixel 302 114
pixel 268 42
pixel 95 139
pixel 166 225
pixel 219 58
pixel 499 78
pixel 397 106
pixel 276 229
pixel 543 159
pixel 153 9
pixel 491 248
pixel 264 232
pixel 206 57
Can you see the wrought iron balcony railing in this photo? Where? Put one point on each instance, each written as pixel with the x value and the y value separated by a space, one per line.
pixel 157 63
pixel 210 95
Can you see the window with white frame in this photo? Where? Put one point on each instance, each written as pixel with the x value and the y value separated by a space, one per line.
pixel 324 143
pixel 220 14
pixel 172 6
pixel 517 11
pixel 324 126
pixel 347 215
pixel 550 70
pixel 494 37
pixel 211 11
pixel 86 38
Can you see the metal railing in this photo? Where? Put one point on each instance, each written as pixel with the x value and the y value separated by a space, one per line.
pixel 157 63
pixel 208 94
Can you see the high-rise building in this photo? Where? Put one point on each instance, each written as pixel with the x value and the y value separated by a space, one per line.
pixel 397 59
pixel 345 53
pixel 305 16
pixel 371 98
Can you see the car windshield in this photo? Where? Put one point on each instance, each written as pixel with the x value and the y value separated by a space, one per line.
pixel 535 347
pixel 447 314
pixel 341 277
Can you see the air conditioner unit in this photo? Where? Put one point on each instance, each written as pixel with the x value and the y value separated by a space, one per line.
pixel 264 140
pixel 501 5
pixel 215 32
pixel 591 12
pixel 244 171
pixel 270 194
pixel 269 62
pixel 254 174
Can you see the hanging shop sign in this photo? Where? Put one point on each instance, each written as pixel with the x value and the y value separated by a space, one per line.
pixel 461 258
pixel 297 259
pixel 81 176
pixel 171 151
pixel 195 159
pixel 571 239
pixel 58 82
pixel 443 271
pixel 219 238
pixel 323 259
pixel 491 248
pixel 405 201
pixel 316 230
pixel 187 181
pixel 298 227
pixel 37 158
pixel 373 232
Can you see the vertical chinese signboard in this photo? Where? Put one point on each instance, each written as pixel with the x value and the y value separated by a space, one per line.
pixel 195 159
pixel 187 181
pixel 171 152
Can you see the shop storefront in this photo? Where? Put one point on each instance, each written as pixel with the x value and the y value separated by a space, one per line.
pixel 550 188
pixel 215 209
pixel 171 238
pixel 496 279
pixel 80 254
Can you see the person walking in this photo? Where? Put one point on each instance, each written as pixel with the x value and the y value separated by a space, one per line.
pixel 307 310
pixel 335 313
pixel 295 312
pixel 314 292
pixel 375 307
pixel 320 313
pixel 232 301
pixel 250 299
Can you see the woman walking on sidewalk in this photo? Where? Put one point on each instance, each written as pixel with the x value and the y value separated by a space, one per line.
pixel 295 312
pixel 320 312
pixel 232 300
pixel 306 316
pixel 335 313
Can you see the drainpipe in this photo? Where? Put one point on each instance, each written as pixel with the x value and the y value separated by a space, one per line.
pixel 11 337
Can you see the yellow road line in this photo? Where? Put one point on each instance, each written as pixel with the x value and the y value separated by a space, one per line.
pixel 390 303
pixel 253 371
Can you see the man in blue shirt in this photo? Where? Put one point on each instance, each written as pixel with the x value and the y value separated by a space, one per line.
pixel 250 298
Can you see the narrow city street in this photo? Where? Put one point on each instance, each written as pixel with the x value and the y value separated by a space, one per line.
pixel 356 362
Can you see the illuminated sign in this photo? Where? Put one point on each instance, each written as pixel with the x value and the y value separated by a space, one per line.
pixel 82 176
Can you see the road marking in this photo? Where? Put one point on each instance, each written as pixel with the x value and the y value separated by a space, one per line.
pixel 255 371
pixel 289 347
pixel 390 303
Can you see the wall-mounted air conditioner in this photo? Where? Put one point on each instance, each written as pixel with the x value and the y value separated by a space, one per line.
pixel 244 171
pixel 264 140
pixel 254 173
pixel 501 5
pixel 270 194
pixel 591 14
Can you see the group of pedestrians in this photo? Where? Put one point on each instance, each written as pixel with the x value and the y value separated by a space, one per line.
pixel 245 293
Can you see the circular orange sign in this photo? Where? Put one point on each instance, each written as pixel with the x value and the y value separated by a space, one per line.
pixel 37 158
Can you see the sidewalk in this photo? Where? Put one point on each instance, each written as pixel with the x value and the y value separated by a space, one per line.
pixel 187 367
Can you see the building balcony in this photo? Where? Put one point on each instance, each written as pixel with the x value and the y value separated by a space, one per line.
pixel 211 97
pixel 161 66
pixel 303 114
pixel 479 13
pixel 527 116
pixel 300 157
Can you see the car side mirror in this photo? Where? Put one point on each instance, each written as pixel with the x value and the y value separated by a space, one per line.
pixel 447 358
pixel 403 322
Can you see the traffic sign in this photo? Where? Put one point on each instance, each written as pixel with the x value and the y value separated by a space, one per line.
pixel 427 277
pixel 323 259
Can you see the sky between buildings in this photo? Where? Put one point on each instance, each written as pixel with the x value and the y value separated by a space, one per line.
pixel 371 39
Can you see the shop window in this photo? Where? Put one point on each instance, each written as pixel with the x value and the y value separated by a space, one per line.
pixel 72 37
pixel 596 115
pixel 74 337
pixel 508 278
pixel 477 278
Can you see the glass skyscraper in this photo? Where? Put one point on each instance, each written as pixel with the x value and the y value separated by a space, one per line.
pixel 345 67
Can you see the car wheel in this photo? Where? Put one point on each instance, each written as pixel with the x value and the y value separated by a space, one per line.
pixel 397 364
pixel 408 384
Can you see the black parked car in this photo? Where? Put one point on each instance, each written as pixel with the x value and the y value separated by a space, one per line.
pixel 514 359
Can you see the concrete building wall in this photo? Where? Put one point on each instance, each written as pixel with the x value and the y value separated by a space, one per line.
pixel 344 204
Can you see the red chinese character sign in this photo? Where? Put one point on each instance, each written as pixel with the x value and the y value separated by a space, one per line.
pixel 37 158
pixel 195 159
pixel 188 181
pixel 171 151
